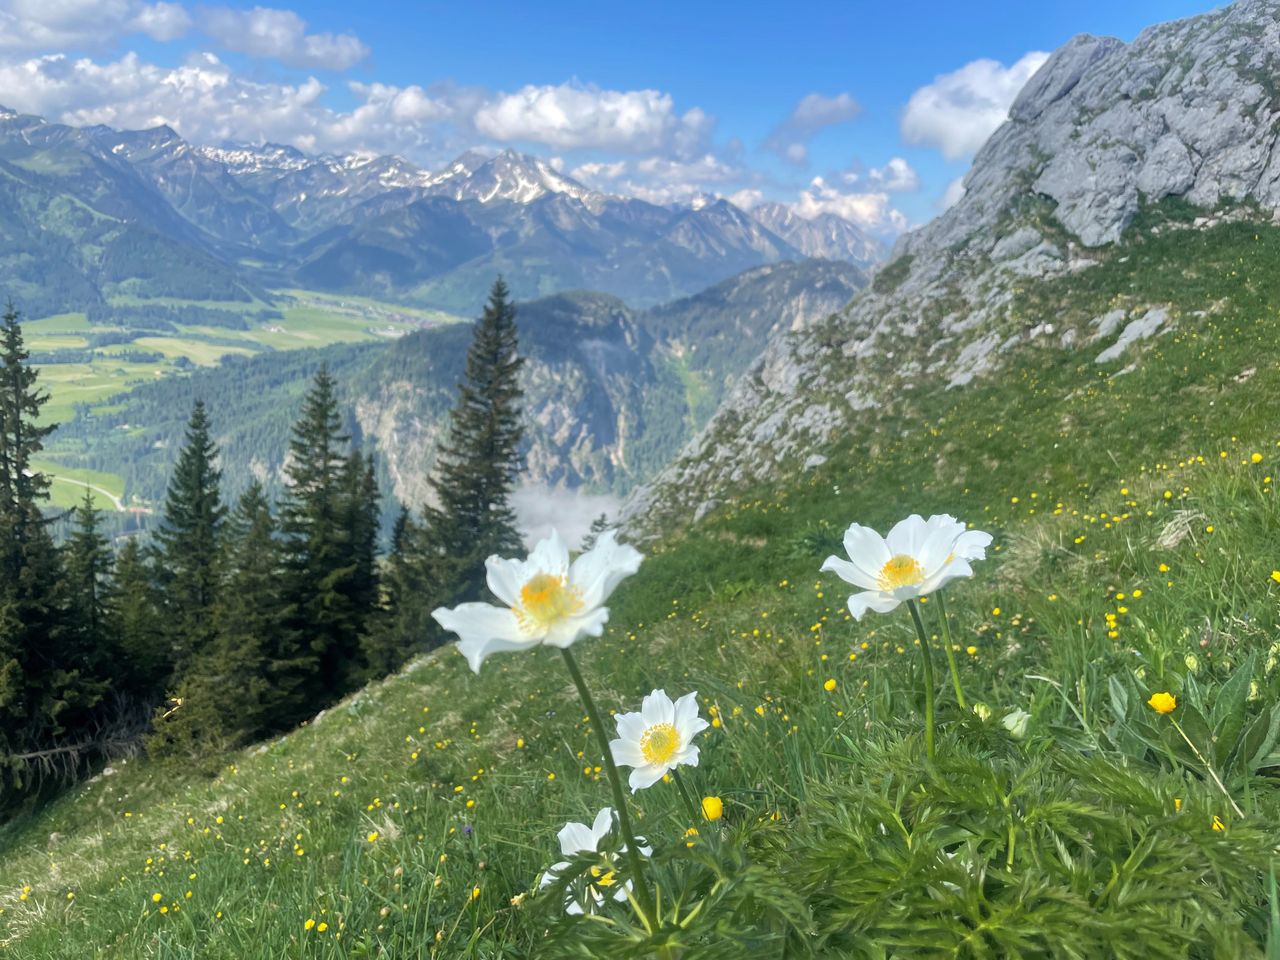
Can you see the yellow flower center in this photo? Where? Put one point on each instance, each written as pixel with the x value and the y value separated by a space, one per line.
pixel 546 600
pixel 659 743
pixel 902 570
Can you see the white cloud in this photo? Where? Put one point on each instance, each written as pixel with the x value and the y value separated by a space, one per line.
pixel 896 176
pixel 573 116
pixel 206 102
pixel 55 24
pixel 871 210
pixel 951 196
pixel 958 111
pixel 660 180
pixel 813 113
pixel 281 35
pixel 748 198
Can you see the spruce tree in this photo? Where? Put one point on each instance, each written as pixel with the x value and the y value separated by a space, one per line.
pixel 403 624
pixel 228 695
pixel 47 694
pixel 329 587
pixel 188 540
pixel 476 466
pixel 142 656
pixel 87 562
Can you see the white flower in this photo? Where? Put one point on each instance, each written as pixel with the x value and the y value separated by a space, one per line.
pixel 546 599
pixel 1016 723
pixel 657 738
pixel 916 558
pixel 576 838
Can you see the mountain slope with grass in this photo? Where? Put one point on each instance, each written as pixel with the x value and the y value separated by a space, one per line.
pixel 1109 789
pixel 1132 556
pixel 1106 142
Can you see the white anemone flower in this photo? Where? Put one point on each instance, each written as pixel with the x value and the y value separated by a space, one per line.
pixel 546 599
pixel 917 557
pixel 658 738
pixel 576 838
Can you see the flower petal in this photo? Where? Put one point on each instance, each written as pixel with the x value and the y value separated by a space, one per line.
pixel 938 543
pixel 598 571
pixel 603 824
pixel 576 838
pixel 505 579
pixel 658 708
pixel 549 556
pixel 972 545
pixel 483 629
pixel 647 776
pixel 849 573
pixel 627 753
pixel 868 552
pixel 860 603
pixel 630 726
pixel 907 536
pixel 567 632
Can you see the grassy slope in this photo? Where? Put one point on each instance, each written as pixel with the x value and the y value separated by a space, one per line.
pixel 1066 462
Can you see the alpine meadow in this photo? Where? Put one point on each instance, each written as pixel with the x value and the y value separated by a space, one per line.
pixel 806 489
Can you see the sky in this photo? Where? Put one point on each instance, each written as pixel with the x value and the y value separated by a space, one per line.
pixel 871 111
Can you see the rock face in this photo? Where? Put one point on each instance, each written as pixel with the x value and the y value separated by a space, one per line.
pixel 1189 109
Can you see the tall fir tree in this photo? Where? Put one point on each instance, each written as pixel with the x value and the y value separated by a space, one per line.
pixel 188 541
pixel 48 688
pixel 329 588
pixel 228 694
pixel 142 655
pixel 477 465
pixel 87 562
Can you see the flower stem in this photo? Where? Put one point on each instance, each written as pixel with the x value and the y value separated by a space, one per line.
pixel 951 656
pixel 619 798
pixel 928 677
pixel 1208 769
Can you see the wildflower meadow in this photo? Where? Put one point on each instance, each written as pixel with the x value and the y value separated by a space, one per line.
pixel 999 679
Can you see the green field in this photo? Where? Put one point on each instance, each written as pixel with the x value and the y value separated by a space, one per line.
pixel 69 484
pixel 309 320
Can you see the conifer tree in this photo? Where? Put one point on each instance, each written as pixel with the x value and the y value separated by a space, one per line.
pixel 227 695
pixel 329 590
pixel 46 692
pixel 477 465
pixel 142 655
pixel 403 624
pixel 188 540
pixel 87 561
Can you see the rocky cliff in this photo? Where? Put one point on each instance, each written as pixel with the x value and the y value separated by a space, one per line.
pixel 1185 116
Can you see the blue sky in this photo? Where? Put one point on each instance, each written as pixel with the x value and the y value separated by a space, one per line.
pixel 660 99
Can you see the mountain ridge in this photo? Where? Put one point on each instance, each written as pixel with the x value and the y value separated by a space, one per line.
pixel 1101 133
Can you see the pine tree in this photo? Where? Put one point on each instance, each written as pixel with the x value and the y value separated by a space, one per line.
pixel 46 692
pixel 477 465
pixel 143 660
pixel 87 561
pixel 402 627
pixel 227 696
pixel 330 587
pixel 188 540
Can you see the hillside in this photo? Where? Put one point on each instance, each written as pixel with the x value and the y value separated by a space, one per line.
pixel 1127 561
pixel 1109 141
pixel 1080 358
pixel 611 393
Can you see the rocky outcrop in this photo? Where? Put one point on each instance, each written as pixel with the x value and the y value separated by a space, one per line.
pixel 1189 109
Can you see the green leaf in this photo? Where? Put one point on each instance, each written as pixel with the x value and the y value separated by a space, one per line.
pixel 1228 716
pixel 1119 697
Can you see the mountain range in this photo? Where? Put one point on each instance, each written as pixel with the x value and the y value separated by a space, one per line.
pixel 611 392
pixel 100 220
